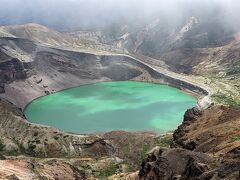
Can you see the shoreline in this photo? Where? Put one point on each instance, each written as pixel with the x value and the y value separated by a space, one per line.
pixel 203 93
pixel 190 93
pixel 156 75
pixel 150 74
pixel 151 130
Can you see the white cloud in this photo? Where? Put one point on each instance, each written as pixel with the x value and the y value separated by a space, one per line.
pixel 99 12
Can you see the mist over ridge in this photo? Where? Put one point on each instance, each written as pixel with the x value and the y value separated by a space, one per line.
pixel 74 14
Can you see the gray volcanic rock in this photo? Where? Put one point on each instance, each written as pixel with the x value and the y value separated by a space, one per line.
pixel 205 146
pixel 11 70
pixel 31 70
pixel 2 88
pixel 190 117
pixel 214 130
pixel 173 164
pixel 57 70
pixel 2 157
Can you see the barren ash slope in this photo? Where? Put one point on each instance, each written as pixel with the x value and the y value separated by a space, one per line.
pixel 36 61
pixel 200 45
pixel 45 61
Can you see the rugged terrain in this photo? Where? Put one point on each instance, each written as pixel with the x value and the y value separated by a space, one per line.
pixel 34 151
pixel 36 61
pixel 200 46
pixel 205 146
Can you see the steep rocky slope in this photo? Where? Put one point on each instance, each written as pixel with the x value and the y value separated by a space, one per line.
pixel 52 38
pixel 36 71
pixel 205 146
pixel 216 130
pixel 36 61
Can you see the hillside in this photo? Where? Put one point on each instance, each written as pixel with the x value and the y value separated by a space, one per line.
pixel 37 61
pixel 199 45
pixel 32 67
pixel 210 142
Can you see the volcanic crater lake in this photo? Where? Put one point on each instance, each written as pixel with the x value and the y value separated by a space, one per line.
pixel 109 106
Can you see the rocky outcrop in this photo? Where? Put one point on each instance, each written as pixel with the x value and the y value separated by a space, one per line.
pixel 190 117
pixel 132 146
pixel 207 145
pixel 175 164
pixel 39 169
pixel 11 70
pixel 2 157
pixel 214 130
pixel 2 90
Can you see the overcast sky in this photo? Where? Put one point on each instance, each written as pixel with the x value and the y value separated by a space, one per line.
pixel 93 13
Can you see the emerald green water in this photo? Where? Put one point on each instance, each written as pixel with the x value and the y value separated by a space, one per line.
pixel 101 107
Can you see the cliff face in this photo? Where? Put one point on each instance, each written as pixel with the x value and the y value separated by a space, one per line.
pixel 34 72
pixel 215 130
pixel 175 164
pixel 205 146
pixel 11 69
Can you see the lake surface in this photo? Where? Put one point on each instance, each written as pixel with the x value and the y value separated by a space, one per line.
pixel 108 106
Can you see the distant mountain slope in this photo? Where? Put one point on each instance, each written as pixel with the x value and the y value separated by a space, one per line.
pixel 37 33
pixel 22 45
pixel 31 69
pixel 201 45
pixel 49 37
pixel 183 45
